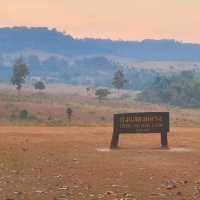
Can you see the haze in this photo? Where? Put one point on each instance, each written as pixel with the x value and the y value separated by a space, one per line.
pixel 116 19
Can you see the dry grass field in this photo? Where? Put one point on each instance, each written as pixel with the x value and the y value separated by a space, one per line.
pixel 49 107
pixel 42 158
pixel 52 163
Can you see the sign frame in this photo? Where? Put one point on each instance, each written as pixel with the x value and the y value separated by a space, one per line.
pixel 141 123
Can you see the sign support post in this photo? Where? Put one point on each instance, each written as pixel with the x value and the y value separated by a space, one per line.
pixel 115 136
pixel 115 140
pixel 164 140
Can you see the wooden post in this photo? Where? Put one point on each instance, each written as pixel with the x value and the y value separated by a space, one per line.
pixel 115 140
pixel 115 135
pixel 164 140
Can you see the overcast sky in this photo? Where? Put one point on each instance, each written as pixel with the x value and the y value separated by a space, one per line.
pixel 116 19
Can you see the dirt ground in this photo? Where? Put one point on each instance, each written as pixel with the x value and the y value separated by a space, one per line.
pixel 43 163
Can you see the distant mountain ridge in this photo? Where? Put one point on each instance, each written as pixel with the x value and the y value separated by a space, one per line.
pixel 18 39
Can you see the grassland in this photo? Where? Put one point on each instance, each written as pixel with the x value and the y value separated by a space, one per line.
pixel 41 162
pixel 48 108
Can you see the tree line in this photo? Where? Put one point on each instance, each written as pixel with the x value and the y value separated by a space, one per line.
pixel 20 72
pixel 182 89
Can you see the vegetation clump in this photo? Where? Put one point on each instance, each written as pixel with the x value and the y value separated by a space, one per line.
pixel 101 94
pixel 39 86
pixel 53 121
pixel 23 115
pixel 181 90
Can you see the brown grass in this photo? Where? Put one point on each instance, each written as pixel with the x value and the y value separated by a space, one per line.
pixel 87 111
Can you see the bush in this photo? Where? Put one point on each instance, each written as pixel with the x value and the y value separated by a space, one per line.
pixel 102 93
pixel 55 122
pixel 39 85
pixel 23 115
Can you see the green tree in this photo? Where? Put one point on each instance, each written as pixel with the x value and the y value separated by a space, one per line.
pixel 101 94
pixel 20 71
pixel 119 80
pixel 39 86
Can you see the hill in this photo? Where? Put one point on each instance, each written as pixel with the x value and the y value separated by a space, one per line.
pixel 22 38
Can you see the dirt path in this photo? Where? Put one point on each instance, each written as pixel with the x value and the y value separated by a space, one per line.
pixel 41 163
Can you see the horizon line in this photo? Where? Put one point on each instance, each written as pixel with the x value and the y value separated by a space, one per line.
pixel 64 32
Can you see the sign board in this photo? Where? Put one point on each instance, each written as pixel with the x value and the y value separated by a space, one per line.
pixel 148 122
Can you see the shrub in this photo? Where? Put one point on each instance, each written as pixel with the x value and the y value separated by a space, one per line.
pixel 39 85
pixel 13 116
pixel 102 94
pixel 55 122
pixel 23 115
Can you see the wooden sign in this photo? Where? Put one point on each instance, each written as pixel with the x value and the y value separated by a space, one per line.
pixel 148 122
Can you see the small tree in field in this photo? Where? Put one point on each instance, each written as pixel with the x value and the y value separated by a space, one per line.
pixel 20 71
pixel 69 115
pixel 102 94
pixel 39 86
pixel 119 79
pixel 88 90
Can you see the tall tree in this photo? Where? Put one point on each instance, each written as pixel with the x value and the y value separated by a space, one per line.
pixel 20 71
pixel 119 79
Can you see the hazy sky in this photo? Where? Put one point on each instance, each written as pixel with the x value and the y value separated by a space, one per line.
pixel 117 19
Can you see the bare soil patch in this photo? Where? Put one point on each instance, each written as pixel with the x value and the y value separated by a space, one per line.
pixel 46 163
